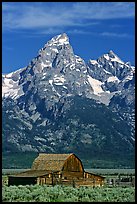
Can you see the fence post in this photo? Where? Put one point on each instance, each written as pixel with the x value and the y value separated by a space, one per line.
pixel 73 184
pixel 52 179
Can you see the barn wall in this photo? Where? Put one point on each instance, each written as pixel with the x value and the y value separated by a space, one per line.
pixel 71 175
pixel 73 164
pixel 88 182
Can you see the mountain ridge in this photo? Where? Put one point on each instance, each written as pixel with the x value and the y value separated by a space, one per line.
pixel 39 102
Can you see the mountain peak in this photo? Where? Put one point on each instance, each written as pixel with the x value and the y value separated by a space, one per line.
pixel 59 39
pixel 63 36
pixel 112 54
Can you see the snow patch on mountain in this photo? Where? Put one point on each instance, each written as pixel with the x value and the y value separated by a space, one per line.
pixel 46 64
pixel 96 85
pixel 93 62
pixel 113 78
pixel 10 85
pixel 58 80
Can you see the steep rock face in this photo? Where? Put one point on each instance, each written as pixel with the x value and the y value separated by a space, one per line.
pixel 117 78
pixel 84 127
pixel 58 103
pixel 56 72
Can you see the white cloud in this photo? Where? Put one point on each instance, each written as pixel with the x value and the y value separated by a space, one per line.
pixel 51 16
pixel 78 31
pixel 105 10
pixel 118 35
pixel 55 18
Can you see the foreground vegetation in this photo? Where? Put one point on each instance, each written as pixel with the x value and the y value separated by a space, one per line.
pixel 37 193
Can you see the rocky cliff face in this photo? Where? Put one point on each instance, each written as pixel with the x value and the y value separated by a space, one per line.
pixel 117 78
pixel 58 103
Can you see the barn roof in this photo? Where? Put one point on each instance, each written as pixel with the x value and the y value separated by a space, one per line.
pixel 32 173
pixel 95 174
pixel 52 162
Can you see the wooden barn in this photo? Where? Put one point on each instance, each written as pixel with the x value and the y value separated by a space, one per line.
pixel 52 169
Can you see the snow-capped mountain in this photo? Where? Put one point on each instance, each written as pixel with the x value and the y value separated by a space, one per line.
pixel 117 78
pixel 59 103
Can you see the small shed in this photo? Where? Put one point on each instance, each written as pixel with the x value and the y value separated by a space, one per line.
pixel 52 169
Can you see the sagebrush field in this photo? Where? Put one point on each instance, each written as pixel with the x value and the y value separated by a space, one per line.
pixel 37 193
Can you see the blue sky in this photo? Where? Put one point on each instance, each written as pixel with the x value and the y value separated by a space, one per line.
pixel 93 28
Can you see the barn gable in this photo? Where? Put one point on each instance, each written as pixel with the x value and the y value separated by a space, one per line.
pixel 57 162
